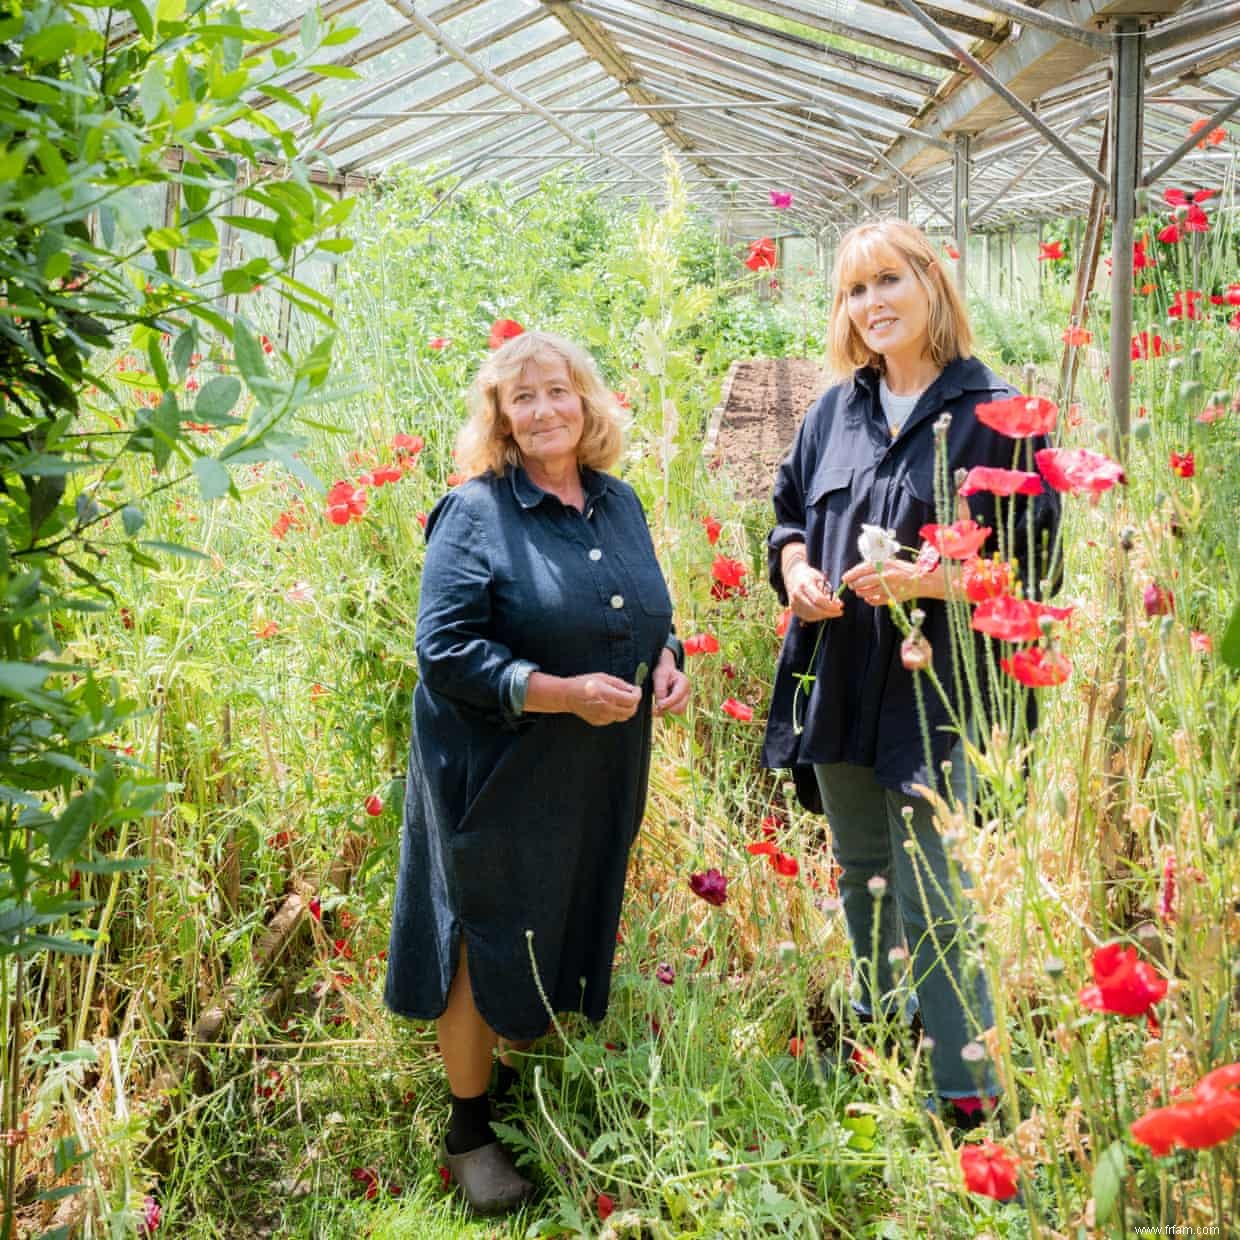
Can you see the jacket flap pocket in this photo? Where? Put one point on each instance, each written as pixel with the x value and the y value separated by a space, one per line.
pixel 837 478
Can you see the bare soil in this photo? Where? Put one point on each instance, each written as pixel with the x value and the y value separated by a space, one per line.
pixel 765 403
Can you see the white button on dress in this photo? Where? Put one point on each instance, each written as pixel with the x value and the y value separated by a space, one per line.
pixel 617 601
pixel 595 553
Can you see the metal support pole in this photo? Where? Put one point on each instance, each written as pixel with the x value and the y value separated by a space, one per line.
pixel 1127 70
pixel 960 209
pixel 902 200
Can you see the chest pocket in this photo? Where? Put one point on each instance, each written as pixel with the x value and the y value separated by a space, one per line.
pixel 916 500
pixel 646 581
pixel 828 484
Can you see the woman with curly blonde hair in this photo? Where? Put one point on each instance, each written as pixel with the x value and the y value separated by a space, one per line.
pixel 545 647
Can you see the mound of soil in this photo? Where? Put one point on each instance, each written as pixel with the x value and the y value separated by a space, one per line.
pixel 764 402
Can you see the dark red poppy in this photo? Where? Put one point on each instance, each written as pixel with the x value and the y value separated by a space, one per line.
pixel 665 973
pixel 1183 464
pixel 957 541
pixel 989 1170
pixel 1000 481
pixel 316 908
pixel 710 885
pixel 762 254
pixel 1037 668
pixel 713 528
pixel 1019 416
pixel 502 330
pixel 1078 470
pixel 1050 251
pixel 701 643
pixel 1175 198
pixel 1169 234
pixel 1157 601
pixel 1166 890
pixel 986 579
pixel 605 1205
pixel 151 1217
pixel 1123 985
pixel 738 710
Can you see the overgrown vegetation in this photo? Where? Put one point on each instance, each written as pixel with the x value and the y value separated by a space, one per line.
pixel 203 747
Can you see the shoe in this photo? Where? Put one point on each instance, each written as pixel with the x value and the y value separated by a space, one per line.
pixel 490 1182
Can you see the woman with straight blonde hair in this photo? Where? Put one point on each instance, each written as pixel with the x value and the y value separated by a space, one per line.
pixel 545 646
pixel 854 491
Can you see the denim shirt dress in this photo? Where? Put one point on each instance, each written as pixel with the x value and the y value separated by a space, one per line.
pixel 845 470
pixel 517 828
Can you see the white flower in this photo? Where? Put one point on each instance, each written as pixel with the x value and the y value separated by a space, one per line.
pixel 877 544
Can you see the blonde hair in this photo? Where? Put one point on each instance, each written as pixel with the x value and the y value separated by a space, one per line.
pixel 948 327
pixel 485 441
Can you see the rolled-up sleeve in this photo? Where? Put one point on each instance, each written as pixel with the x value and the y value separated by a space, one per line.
pixel 789 502
pixel 458 655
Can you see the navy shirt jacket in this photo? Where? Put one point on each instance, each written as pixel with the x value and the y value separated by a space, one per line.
pixel 844 470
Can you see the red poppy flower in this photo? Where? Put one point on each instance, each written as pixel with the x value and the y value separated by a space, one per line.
pixel 1019 416
pixel 1204 195
pixel 265 629
pixel 1144 345
pixel 408 445
pixel 728 576
pixel 502 330
pixel 1037 668
pixel 701 643
pixel 374 805
pixel 421 518
pixel 605 1205
pixel 1123 985
pixel 454 480
pixel 151 1216
pixel 1230 298
pixel 439 343
pixel 1183 464
pixel 316 908
pixel 381 475
pixel 796 1047
pixel 1077 337
pixel 1169 234
pixel 985 579
pixel 957 541
pixel 772 824
pixel 268 347
pixel 445 1178
pixel 1140 259
pixel 785 865
pixel 761 254
pixel 666 974
pixel 1050 251
pixel 1078 470
pixel 1175 198
pixel 711 886
pixel 781 625
pixel 989 1170
pixel 1009 619
pixel 1001 481
pixel 738 710
pixel 346 502
pixel 1200 643
pixel 1184 305
pixel 1195 219
pixel 713 528
pixel 951 250
pixel 1157 601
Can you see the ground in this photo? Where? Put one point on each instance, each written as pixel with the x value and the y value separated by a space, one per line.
pixel 764 402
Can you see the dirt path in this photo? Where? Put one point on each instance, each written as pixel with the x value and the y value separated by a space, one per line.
pixel 765 402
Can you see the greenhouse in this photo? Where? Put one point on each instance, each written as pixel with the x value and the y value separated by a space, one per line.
pixel 619 618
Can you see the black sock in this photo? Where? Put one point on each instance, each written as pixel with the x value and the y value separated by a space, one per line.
pixel 470 1125
pixel 506 1078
